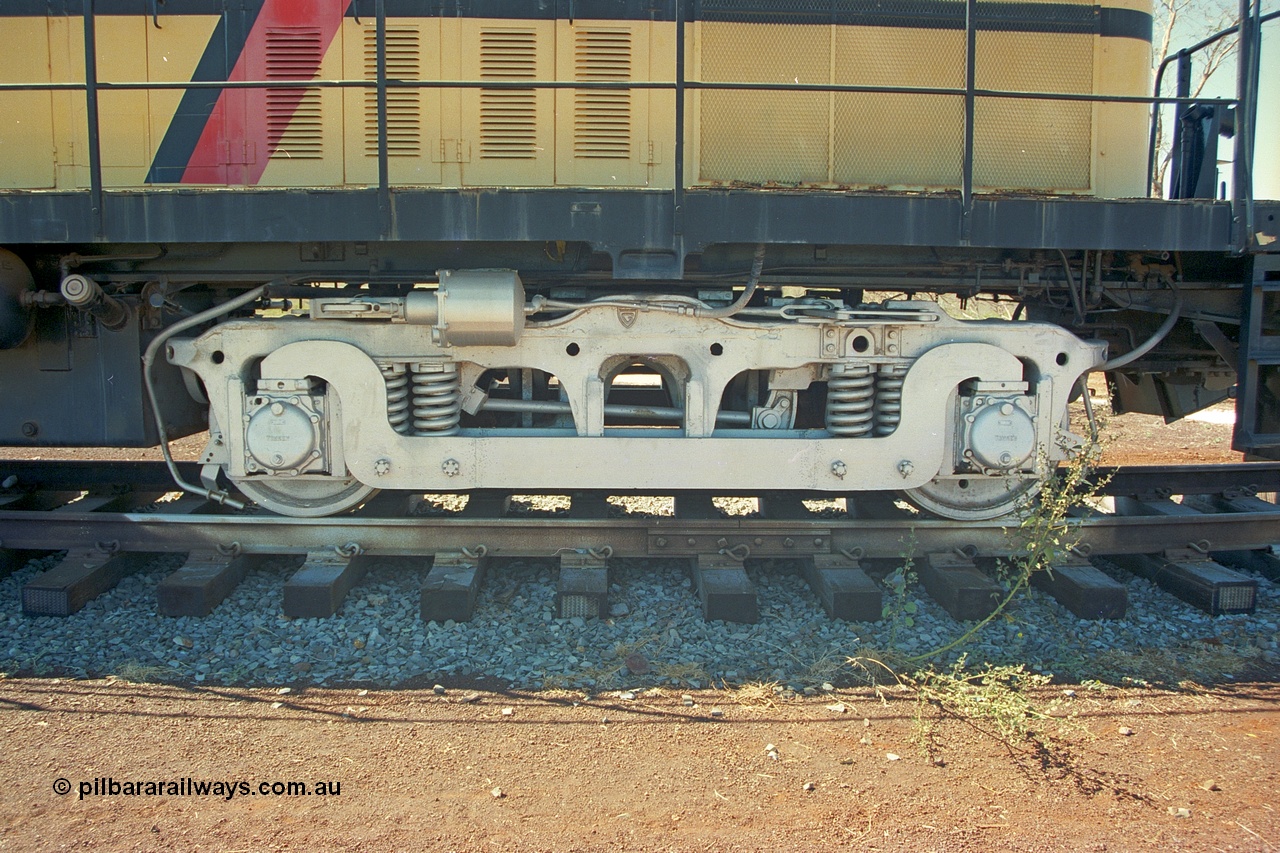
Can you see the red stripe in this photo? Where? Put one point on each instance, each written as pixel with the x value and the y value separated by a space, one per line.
pixel 235 146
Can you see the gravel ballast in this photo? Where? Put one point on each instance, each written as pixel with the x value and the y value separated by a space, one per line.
pixel 378 637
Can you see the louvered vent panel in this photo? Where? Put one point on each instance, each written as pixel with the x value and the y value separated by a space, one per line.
pixel 294 121
pixel 404 106
pixel 602 118
pixel 508 117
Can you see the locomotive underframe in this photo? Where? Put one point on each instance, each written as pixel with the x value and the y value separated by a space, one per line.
pixel 153 251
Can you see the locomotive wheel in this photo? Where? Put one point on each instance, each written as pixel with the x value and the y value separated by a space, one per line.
pixel 973 498
pixel 305 498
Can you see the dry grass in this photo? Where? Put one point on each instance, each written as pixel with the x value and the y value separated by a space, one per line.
pixel 610 673
pixel 756 694
pixel 1200 663
pixel 137 672
pixel 685 671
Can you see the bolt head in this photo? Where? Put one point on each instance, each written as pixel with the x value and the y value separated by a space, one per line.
pixel 839 469
pixel 382 467
pixel 906 468
pixel 277 409
pixel 451 467
pixel 661 542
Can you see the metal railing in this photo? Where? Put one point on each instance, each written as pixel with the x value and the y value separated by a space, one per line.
pixel 1245 104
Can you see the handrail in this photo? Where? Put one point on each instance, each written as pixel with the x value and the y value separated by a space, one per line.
pixel 1159 83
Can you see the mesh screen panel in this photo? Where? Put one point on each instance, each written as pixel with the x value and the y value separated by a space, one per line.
pixel 898 140
pixel 764 137
pixel 1034 144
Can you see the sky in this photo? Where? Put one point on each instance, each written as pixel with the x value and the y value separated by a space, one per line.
pixel 1266 160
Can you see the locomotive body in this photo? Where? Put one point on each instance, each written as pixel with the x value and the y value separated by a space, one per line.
pixel 152 132
pixel 498 245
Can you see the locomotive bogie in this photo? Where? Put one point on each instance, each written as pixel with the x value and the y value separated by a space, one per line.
pixel 409 405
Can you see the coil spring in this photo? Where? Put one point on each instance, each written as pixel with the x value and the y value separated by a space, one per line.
pixel 850 400
pixel 437 398
pixel 397 380
pixel 889 397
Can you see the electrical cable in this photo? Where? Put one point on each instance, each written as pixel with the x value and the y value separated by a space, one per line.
pixel 148 359
pixel 1076 305
pixel 1158 336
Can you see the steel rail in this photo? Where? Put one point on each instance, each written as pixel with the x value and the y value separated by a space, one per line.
pixel 532 536
pixel 1126 480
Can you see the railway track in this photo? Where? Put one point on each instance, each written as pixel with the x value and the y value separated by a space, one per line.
pixel 1206 546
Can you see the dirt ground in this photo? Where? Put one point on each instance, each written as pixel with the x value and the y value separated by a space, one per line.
pixel 1107 769
pixel 414 770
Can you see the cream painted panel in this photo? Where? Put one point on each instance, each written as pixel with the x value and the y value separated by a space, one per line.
pixel 123 116
pixel 414 141
pixel 26 118
pixel 306 147
pixel 173 52
pixel 602 136
pixel 1121 136
pixel 507 135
